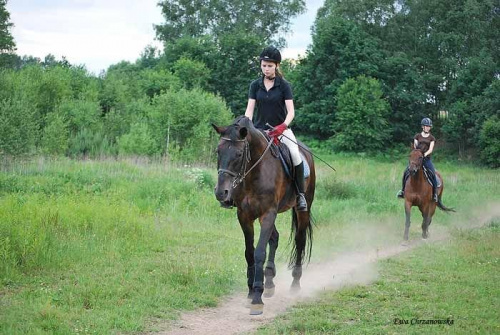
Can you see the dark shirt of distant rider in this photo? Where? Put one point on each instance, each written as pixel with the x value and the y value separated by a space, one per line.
pixel 425 141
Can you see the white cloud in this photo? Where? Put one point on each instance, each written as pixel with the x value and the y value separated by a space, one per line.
pixel 94 33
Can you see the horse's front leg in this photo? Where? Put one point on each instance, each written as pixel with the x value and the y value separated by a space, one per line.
pixel 427 219
pixel 270 271
pixel 266 230
pixel 248 231
pixel 407 222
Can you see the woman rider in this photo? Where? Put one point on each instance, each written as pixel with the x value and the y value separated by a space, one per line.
pixel 425 142
pixel 272 95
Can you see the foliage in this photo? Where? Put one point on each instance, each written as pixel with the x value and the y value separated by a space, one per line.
pixel 55 135
pixel 222 17
pixel 340 50
pixel 138 141
pixel 193 73
pixel 361 123
pixel 182 118
pixel 7 43
pixel 18 127
pixel 431 58
pixel 489 142
pixel 87 143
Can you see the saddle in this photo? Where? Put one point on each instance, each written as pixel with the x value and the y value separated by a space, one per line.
pixel 429 176
pixel 282 152
pixel 286 161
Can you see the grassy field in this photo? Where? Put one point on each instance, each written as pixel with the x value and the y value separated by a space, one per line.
pixel 112 246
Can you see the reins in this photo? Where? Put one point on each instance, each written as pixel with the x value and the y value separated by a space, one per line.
pixel 240 176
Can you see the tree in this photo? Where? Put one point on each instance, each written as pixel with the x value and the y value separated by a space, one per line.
pixel 18 126
pixel 361 124
pixel 226 35
pixel 195 18
pixel 193 73
pixel 7 44
pixel 340 50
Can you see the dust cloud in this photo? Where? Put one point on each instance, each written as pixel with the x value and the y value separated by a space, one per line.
pixel 346 268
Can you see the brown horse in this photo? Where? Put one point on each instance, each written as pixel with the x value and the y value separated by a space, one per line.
pixel 418 192
pixel 253 180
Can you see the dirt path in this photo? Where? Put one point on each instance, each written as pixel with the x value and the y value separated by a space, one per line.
pixel 232 315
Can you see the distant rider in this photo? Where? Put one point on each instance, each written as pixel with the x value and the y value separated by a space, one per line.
pixel 425 142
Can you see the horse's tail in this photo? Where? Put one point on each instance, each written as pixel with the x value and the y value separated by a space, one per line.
pixel 307 240
pixel 443 207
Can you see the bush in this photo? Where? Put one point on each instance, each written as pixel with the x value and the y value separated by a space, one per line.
pixel 55 135
pixel 489 142
pixel 18 127
pixel 181 120
pixel 139 141
pixel 87 143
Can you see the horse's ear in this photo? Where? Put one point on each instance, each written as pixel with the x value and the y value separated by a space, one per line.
pixel 412 145
pixel 218 129
pixel 243 132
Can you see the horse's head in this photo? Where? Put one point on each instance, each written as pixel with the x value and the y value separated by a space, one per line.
pixel 233 155
pixel 416 161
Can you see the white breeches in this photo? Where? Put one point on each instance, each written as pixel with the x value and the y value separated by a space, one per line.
pixel 291 142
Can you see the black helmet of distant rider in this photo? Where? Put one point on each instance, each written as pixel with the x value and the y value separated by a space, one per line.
pixel 270 54
pixel 426 122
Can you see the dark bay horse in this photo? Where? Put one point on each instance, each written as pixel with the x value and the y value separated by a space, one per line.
pixel 253 180
pixel 418 192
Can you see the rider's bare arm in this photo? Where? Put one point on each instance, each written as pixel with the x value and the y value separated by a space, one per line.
pixel 428 152
pixel 290 112
pixel 250 108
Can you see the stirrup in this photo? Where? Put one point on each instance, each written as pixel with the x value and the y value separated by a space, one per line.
pixel 435 198
pixel 301 203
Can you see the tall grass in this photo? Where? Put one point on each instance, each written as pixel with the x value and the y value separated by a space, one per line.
pixel 103 246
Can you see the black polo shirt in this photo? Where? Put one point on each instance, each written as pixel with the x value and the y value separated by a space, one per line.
pixel 270 104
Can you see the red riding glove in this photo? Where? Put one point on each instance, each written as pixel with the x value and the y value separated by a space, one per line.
pixel 277 131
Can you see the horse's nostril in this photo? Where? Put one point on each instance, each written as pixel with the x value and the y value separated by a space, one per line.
pixel 226 192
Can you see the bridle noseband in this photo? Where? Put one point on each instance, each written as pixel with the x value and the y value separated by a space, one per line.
pixel 240 176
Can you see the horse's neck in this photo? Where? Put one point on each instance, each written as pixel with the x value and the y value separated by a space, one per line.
pixel 257 144
pixel 417 179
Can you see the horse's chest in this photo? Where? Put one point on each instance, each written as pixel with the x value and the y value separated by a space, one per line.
pixel 256 205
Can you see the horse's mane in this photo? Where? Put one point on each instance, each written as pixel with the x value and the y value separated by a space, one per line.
pixel 243 121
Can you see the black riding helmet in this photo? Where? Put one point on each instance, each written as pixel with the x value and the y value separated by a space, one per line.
pixel 426 122
pixel 270 54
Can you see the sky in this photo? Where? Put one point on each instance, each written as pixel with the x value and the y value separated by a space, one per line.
pixel 99 33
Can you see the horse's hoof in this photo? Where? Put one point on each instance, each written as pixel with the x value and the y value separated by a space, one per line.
pixel 269 292
pixel 295 288
pixel 256 309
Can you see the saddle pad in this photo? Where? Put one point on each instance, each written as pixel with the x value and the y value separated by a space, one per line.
pixel 428 175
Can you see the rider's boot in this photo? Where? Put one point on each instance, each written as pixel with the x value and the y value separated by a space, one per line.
pixel 299 182
pixel 406 174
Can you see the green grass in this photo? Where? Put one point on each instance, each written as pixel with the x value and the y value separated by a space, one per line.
pixel 109 246
pixel 454 281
